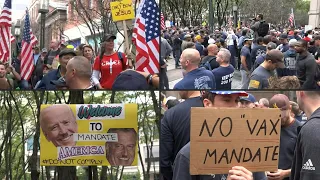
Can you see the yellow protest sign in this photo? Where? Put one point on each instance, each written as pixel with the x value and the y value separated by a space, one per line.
pixel 88 135
pixel 223 138
pixel 122 10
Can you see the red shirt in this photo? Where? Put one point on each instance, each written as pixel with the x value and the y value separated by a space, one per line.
pixel 307 39
pixel 110 67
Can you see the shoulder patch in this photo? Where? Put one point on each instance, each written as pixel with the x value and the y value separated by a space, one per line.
pixel 254 84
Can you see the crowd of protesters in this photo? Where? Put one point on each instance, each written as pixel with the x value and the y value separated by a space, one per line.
pixel 298 143
pixel 259 52
pixel 65 67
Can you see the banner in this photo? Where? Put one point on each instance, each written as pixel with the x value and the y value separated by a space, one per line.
pixel 223 138
pixel 88 135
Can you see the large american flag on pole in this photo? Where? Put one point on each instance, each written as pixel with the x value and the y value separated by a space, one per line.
pixel 26 52
pixel 5 34
pixel 147 36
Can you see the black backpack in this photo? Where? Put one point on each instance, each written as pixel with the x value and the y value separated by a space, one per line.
pixel 206 64
pixel 263 29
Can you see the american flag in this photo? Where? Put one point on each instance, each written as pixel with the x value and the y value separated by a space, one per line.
pixel 5 34
pixel 26 52
pixel 291 19
pixel 163 25
pixel 147 36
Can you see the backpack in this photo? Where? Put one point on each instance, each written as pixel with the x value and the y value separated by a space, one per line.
pixel 206 65
pixel 263 29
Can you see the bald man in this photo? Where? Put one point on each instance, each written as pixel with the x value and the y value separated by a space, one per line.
pixel 212 55
pixel 195 78
pixel 54 51
pixel 58 124
pixel 78 75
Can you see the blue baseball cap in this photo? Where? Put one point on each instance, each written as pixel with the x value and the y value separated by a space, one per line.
pixel 241 93
pixel 249 98
pixel 130 80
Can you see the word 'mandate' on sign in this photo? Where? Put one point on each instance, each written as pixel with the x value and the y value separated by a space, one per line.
pixel 223 138
pixel 122 10
pixel 88 134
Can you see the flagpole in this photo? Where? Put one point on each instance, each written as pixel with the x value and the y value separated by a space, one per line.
pixel 10 51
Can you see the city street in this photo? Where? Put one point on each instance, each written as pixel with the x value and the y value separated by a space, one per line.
pixel 175 75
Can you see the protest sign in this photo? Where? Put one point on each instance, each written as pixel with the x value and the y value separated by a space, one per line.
pixel 88 135
pixel 223 138
pixel 122 11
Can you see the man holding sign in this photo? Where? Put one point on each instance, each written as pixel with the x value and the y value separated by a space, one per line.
pixel 217 99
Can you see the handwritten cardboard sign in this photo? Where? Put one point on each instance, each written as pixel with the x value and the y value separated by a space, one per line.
pixel 122 10
pixel 223 138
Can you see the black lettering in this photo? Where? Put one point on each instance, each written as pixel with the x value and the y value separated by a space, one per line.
pixel 254 127
pixel 275 153
pixel 266 158
pixel 230 129
pixel 207 128
pixel 274 126
pixel 244 156
pixel 258 154
pixel 210 155
pixel 234 153
pixel 263 126
pixel 224 155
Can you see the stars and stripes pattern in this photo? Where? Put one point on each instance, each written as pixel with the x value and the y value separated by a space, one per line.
pixel 5 34
pixel 147 37
pixel 26 52
pixel 291 19
pixel 163 25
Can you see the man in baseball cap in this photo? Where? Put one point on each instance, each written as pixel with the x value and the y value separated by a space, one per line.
pixel 259 77
pixel 247 101
pixel 288 136
pixel 221 99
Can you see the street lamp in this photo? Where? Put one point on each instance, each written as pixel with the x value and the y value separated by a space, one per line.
pixel 17 33
pixel 235 11
pixel 43 10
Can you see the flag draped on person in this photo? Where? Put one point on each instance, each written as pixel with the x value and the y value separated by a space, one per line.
pixel 163 26
pixel 147 37
pixel 26 52
pixel 5 34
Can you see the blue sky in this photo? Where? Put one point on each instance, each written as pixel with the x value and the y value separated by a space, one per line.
pixel 18 8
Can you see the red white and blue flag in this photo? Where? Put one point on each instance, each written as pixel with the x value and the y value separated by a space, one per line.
pixel 5 34
pixel 291 18
pixel 147 37
pixel 27 52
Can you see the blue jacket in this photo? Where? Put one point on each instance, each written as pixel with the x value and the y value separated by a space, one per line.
pixel 45 82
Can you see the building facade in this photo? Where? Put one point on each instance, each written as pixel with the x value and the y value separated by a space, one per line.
pixel 314 13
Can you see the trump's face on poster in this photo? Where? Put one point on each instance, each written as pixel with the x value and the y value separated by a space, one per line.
pixel 122 152
pixel 58 124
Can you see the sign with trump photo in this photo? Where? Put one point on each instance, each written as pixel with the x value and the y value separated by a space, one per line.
pixel 88 135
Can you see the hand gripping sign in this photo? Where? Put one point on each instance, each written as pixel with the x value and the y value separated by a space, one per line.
pixel 223 138
pixel 88 135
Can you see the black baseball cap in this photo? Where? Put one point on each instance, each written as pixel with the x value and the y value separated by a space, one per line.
pixel 283 36
pixel 67 51
pixel 108 36
pixel 130 80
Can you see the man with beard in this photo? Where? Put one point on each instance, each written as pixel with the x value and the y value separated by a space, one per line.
pixel 122 153
pixel 306 161
pixel 288 137
pixel 259 77
pixel 3 80
pixel 58 125
pixel 195 78
pixel 306 66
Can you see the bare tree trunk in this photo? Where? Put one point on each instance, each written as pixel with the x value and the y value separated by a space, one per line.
pixel 67 173
pixel 34 157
